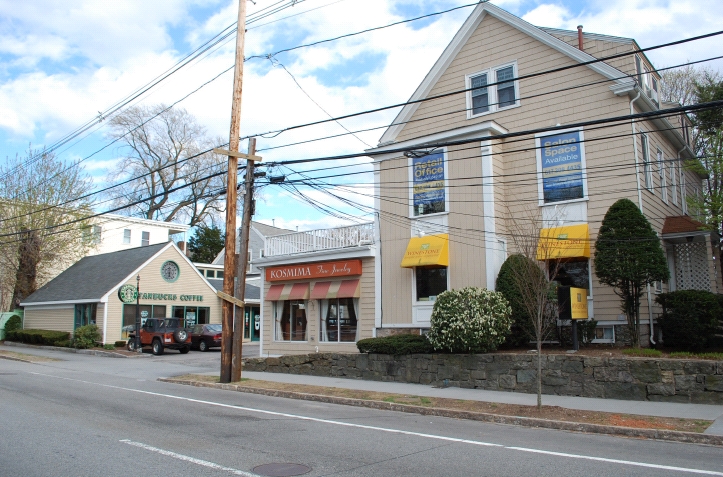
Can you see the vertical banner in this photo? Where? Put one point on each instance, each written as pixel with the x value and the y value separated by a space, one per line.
pixel 428 184
pixel 561 156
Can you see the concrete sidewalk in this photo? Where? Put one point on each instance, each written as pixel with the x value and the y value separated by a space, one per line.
pixel 644 408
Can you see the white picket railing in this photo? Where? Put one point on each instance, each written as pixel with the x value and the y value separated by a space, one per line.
pixel 320 239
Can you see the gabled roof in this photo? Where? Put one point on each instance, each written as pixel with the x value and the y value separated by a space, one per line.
pixel 269 230
pixel 92 277
pixel 262 229
pixel 619 85
pixel 252 291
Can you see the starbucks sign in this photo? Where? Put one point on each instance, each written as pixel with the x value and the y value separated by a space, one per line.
pixel 127 293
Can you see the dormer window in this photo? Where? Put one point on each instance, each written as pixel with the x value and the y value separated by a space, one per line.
pixel 492 90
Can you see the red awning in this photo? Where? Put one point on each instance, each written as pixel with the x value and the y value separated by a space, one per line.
pixel 336 289
pixel 288 291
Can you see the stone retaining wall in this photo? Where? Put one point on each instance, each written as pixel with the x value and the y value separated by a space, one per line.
pixel 670 380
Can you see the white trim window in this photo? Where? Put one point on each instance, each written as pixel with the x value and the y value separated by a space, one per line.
pixel 126 236
pixel 502 92
pixel 674 180
pixel 145 239
pixel 604 334
pixel 290 322
pixel 647 166
pixel 663 177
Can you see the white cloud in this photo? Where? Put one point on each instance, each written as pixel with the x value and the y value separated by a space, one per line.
pixel 99 52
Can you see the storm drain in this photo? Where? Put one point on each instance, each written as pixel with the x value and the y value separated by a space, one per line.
pixel 281 469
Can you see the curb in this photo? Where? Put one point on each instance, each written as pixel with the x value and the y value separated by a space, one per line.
pixel 658 434
pixel 92 352
pixel 12 358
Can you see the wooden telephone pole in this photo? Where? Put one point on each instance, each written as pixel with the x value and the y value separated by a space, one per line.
pixel 229 262
pixel 242 264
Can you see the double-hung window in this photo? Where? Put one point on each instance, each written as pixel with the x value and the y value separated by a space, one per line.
pixel 492 90
pixel 674 180
pixel 145 238
pixel 647 167
pixel 663 178
pixel 126 236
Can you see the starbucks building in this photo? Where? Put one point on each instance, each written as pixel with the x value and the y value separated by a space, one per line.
pixel 104 290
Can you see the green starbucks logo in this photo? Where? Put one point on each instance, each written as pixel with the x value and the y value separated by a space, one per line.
pixel 127 294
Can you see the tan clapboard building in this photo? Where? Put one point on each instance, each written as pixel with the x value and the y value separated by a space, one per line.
pixel 99 290
pixel 454 183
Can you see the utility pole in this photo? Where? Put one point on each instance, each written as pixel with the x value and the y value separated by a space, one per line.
pixel 243 263
pixel 229 262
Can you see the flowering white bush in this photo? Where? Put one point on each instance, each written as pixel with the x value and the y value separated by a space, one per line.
pixel 470 320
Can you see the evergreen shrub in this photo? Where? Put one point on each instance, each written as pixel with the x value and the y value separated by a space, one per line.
pixel 521 330
pixel 39 337
pixel 120 344
pixel 396 345
pixel 85 337
pixel 13 323
pixel 690 319
pixel 469 320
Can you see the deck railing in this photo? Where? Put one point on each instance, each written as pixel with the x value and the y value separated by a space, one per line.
pixel 320 239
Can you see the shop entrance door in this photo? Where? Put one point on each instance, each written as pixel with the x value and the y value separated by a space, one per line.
pixel 252 323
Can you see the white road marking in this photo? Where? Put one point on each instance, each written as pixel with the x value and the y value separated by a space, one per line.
pixel 186 458
pixel 396 431
pixel 617 461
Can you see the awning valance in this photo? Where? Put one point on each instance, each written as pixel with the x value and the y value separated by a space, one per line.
pixel 336 289
pixel 570 241
pixel 289 291
pixel 427 250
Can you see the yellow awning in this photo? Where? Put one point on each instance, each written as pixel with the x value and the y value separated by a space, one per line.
pixel 570 241
pixel 427 250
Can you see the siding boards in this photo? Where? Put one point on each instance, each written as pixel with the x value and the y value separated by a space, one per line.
pixel 56 318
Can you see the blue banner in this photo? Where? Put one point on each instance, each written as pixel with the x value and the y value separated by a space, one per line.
pixel 561 167
pixel 428 183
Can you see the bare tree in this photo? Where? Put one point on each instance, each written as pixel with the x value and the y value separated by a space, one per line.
pixel 533 276
pixel 38 195
pixel 167 152
pixel 678 85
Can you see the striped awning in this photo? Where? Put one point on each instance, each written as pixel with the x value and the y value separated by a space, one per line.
pixel 288 291
pixel 336 289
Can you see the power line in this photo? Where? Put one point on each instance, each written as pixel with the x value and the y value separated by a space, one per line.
pixel 451 93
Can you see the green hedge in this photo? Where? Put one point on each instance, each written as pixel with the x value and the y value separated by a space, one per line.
pixel 690 319
pixel 396 345
pixel 86 336
pixel 13 323
pixel 39 337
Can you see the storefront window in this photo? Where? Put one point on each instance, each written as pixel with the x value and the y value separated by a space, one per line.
pixel 290 318
pixel 338 320
pixel 194 315
pixel 572 273
pixel 85 314
pixel 431 281
pixel 146 311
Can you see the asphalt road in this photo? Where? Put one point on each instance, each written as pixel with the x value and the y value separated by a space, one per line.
pixel 96 416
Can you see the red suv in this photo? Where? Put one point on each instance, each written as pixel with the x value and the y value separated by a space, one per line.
pixel 162 333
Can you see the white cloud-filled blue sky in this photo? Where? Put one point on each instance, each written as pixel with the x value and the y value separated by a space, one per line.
pixel 61 62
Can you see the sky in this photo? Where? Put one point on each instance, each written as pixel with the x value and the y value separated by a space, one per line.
pixel 64 62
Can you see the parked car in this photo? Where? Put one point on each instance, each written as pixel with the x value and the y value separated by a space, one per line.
pixel 204 337
pixel 161 333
